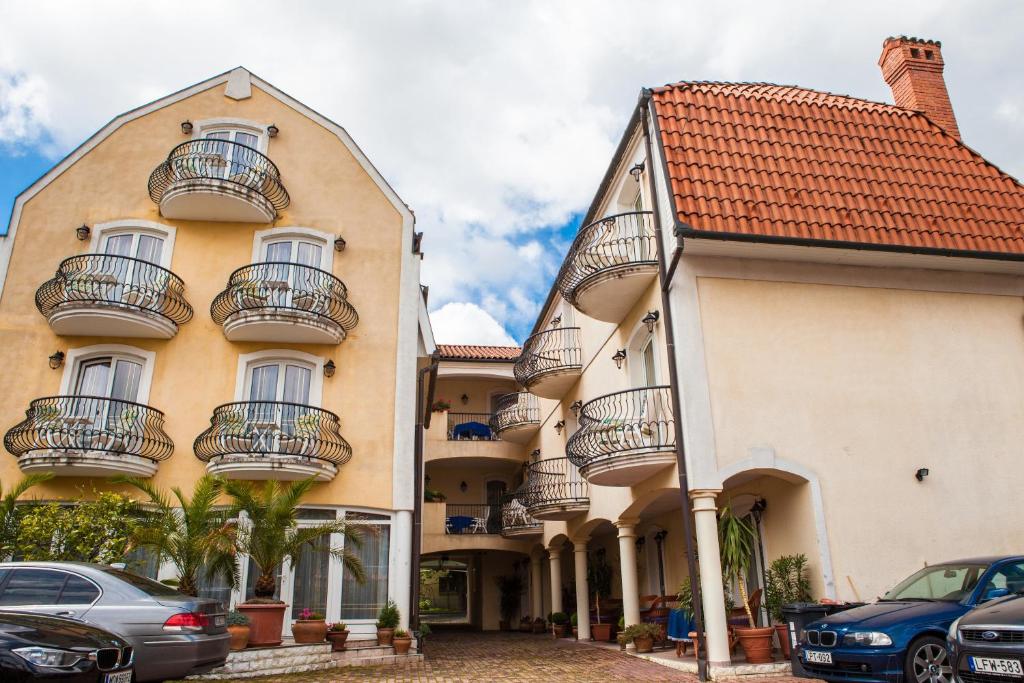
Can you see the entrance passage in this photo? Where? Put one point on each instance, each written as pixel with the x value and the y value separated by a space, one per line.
pixel 444 591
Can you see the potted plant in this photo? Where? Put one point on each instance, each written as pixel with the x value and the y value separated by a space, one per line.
pixel 622 640
pixel 441 405
pixel 401 642
pixel 238 627
pixel 525 624
pixel 387 621
pixel 510 589
pixel 559 624
pixel 433 496
pixel 574 620
pixel 337 634
pixel 787 582
pixel 421 636
pixel 599 578
pixel 736 539
pixel 538 625
pixel 642 635
pixel 271 535
pixel 309 628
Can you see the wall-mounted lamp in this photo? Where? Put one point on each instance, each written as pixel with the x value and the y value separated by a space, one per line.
pixel 651 319
pixel 535 453
pixel 465 399
pixel 556 321
pixel 659 537
pixel 272 130
pixel 82 232
pixel 758 508
pixel 463 487
pixel 559 426
pixel 640 541
pixel 329 368
pixel 186 127
pixel 619 356
pixel 576 407
pixel 921 474
pixel 340 243
pixel 636 171
pixel 56 360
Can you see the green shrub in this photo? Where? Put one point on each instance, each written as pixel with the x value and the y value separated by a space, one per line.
pixel 641 631
pixel 389 616
pixel 574 619
pixel 787 582
pixel 401 633
pixel 559 618
pixel 236 618
pixel 98 530
pixel 337 626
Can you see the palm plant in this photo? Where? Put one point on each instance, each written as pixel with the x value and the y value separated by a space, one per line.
pixel 272 533
pixel 736 538
pixel 191 533
pixel 8 514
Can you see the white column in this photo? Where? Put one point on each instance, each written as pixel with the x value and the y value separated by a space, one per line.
pixel 579 554
pixel 712 591
pixel 627 562
pixel 401 565
pixel 536 583
pixel 555 565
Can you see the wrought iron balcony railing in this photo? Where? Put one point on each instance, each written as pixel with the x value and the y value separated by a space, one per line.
pixel 80 424
pixel 470 427
pixel 554 481
pixel 612 243
pixel 222 161
pixel 273 428
pixel 627 423
pixel 549 351
pixel 286 288
pixel 472 518
pixel 518 409
pixel 119 280
pixel 515 518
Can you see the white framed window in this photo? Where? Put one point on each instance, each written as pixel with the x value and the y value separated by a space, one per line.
pixel 139 239
pixel 280 375
pixel 111 371
pixel 243 131
pixel 298 245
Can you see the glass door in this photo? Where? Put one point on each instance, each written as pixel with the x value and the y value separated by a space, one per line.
pixel 101 390
pixel 134 279
pixel 279 394
pixel 293 275
pixel 230 160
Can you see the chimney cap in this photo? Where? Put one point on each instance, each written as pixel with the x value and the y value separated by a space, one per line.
pixel 895 42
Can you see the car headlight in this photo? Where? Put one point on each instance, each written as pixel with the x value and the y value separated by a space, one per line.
pixel 48 656
pixel 952 628
pixel 867 639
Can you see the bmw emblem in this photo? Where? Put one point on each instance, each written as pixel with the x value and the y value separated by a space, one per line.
pixel 990 635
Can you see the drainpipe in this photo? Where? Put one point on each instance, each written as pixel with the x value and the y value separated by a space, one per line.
pixel 423 413
pixel 665 274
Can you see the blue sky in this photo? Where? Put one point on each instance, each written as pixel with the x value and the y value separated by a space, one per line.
pixel 17 171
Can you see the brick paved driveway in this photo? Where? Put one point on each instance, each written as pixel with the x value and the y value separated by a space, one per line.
pixel 471 657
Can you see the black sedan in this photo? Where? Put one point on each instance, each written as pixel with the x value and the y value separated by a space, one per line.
pixel 39 648
pixel 987 644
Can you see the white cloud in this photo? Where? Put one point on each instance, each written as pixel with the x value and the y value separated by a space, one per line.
pixel 24 115
pixel 465 323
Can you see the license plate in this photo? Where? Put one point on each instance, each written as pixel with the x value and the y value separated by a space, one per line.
pixel 219 620
pixel 998 667
pixel 119 677
pixel 817 657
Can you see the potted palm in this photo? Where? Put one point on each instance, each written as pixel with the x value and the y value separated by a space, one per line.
pixel 309 628
pixel 642 636
pixel 387 621
pixel 510 589
pixel 272 535
pixel 599 578
pixel 337 634
pixel 786 582
pixel 238 627
pixel 8 515
pixel 401 642
pixel 736 538
pixel 559 624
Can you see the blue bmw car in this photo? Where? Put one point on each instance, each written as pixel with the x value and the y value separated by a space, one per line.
pixel 902 637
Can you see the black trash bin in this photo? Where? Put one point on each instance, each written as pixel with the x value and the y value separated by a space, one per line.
pixel 841 607
pixel 797 616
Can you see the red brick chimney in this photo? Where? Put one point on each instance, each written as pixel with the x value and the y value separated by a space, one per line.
pixel 913 69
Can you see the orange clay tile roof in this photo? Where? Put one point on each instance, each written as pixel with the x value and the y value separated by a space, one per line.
pixel 476 352
pixel 762 161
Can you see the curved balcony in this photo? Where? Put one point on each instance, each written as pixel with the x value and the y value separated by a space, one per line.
pixel 609 265
pixel 113 296
pixel 218 180
pixel 89 436
pixel 516 521
pixel 624 437
pixel 516 416
pixel 272 440
pixel 551 362
pixel 555 491
pixel 284 302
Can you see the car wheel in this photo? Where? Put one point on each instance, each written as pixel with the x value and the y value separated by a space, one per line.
pixel 928 661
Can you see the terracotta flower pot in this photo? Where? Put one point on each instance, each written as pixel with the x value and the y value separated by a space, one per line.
pixel 756 644
pixel 782 631
pixel 402 645
pixel 601 632
pixel 558 630
pixel 265 622
pixel 239 636
pixel 337 639
pixel 385 636
pixel 576 632
pixel 525 626
pixel 308 631
pixel 538 627
pixel 644 644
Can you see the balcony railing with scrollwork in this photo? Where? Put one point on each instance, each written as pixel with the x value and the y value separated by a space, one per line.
pixel 519 409
pixel 222 161
pixel 612 243
pixel 515 518
pixel 285 288
pixel 547 352
pixel 80 424
pixel 632 422
pixel 554 481
pixel 269 429
pixel 121 281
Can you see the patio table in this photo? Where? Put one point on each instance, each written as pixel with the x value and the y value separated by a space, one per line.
pixel 459 523
pixel 680 625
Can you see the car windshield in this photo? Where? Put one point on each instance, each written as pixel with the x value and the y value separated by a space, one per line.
pixel 147 586
pixel 947 582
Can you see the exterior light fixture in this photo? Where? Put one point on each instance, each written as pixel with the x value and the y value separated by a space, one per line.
pixel 463 487
pixel 339 243
pixel 576 407
pixel 758 508
pixel 559 426
pixel 329 368
pixel 186 127
pixel 56 360
pixel 535 453
pixel 619 356
pixel 556 321
pixel 272 130
pixel 921 474
pixel 640 542
pixel 82 232
pixel 636 171
pixel 659 537
pixel 465 399
pixel 651 319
